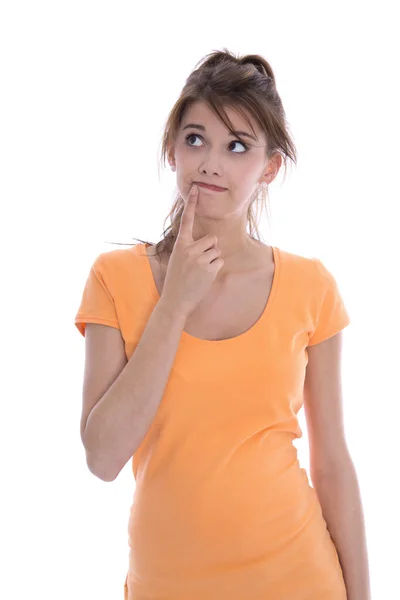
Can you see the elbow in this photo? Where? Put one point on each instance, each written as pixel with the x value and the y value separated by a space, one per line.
pixel 100 470
pixel 98 466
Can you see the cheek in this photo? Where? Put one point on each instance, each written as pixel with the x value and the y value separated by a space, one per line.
pixel 185 162
pixel 245 178
pixel 182 152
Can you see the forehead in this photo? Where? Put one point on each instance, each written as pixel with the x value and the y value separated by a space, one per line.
pixel 200 112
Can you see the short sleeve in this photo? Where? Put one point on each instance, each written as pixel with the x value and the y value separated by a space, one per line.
pixel 332 315
pixel 97 304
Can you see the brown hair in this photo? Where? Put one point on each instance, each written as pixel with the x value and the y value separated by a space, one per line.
pixel 246 82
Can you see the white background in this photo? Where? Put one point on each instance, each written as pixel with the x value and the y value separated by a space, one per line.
pixel 85 91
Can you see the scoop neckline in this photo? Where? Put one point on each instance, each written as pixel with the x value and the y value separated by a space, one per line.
pixel 141 250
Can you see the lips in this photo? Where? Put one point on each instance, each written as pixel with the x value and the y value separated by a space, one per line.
pixel 210 187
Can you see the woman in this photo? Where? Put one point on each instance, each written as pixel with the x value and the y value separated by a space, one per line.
pixel 201 350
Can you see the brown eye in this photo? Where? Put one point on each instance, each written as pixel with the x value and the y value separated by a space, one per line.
pixel 196 135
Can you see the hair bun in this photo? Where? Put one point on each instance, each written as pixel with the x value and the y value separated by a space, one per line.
pixel 260 64
pixel 215 58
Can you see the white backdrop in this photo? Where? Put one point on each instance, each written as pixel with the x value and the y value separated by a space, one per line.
pixel 86 89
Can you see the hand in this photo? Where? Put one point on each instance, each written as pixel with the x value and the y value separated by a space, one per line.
pixel 193 265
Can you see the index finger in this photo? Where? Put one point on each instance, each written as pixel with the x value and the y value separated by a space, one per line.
pixel 187 219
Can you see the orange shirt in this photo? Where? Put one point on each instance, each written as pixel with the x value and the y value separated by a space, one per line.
pixel 221 508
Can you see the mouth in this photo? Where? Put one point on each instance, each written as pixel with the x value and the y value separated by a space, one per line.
pixel 215 188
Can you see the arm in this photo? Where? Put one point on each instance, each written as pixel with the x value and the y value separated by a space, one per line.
pixel 339 495
pixel 120 420
pixel 331 467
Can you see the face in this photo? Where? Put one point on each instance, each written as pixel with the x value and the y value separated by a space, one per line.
pixel 215 156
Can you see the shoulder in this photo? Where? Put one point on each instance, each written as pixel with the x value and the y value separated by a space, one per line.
pixel 297 266
pixel 112 263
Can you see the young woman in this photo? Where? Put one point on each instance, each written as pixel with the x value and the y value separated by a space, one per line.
pixel 200 352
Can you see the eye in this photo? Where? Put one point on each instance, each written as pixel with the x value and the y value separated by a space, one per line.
pixel 191 135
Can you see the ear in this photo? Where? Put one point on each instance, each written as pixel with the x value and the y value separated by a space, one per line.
pixel 273 166
pixel 171 156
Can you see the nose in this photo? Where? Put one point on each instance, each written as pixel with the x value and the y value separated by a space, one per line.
pixel 209 172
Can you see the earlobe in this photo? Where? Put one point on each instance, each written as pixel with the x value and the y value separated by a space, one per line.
pixel 171 160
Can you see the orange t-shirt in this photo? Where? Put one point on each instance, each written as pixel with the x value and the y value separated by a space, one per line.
pixel 221 507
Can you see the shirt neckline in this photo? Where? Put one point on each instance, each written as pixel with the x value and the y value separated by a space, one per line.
pixel 242 337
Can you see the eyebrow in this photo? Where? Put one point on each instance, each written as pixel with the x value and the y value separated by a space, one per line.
pixel 202 128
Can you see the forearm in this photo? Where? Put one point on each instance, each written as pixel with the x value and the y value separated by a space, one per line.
pixel 340 499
